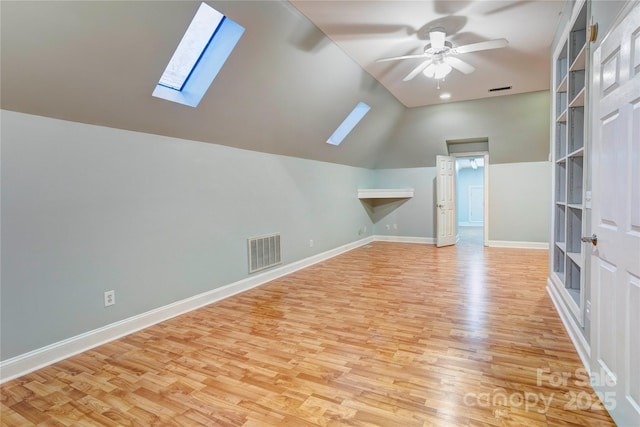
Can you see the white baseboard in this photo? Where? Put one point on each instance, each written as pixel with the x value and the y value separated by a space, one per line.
pixel 44 356
pixel 39 358
pixel 572 328
pixel 405 239
pixel 470 224
pixel 493 243
pixel 518 245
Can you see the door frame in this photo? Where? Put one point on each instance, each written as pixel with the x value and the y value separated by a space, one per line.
pixel 485 224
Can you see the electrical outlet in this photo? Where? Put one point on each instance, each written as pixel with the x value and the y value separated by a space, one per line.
pixel 395 226
pixel 310 243
pixel 388 227
pixel 109 298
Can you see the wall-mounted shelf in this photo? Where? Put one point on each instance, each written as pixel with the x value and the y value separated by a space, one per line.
pixel 385 193
pixel 562 87
pixel 579 62
pixel 578 100
pixel 570 108
pixel 562 118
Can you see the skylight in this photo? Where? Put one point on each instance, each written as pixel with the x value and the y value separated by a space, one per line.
pixel 202 52
pixel 349 123
pixel 191 47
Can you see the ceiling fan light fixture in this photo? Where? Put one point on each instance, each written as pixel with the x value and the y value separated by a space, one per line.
pixel 437 71
pixel 430 71
pixel 442 70
pixel 440 57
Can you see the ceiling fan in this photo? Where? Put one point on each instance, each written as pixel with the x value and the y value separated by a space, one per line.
pixel 441 56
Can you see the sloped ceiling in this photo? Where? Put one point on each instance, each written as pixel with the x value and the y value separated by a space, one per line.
pixel 284 89
pixel 368 30
pixel 286 86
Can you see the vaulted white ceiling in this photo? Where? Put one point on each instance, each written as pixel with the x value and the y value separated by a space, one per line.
pixel 295 74
pixel 368 30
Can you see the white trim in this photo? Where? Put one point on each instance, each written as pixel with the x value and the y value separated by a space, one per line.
pixel 385 193
pixel 470 224
pixel 44 356
pixel 519 245
pixel 573 330
pixel 405 239
pixel 486 200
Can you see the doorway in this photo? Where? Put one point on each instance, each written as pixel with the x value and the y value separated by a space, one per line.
pixel 470 199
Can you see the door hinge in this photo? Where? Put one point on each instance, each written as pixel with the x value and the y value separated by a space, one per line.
pixel 592 33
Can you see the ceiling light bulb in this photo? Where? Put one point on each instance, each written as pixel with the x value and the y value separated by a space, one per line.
pixel 445 95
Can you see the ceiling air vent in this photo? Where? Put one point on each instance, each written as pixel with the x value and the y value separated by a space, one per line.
pixel 498 89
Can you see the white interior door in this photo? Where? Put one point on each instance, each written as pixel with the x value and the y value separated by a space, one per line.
pixel 476 204
pixel 615 266
pixel 446 201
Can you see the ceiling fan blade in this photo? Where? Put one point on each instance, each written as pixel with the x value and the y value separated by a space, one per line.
pixel 460 65
pixel 474 47
pixel 417 70
pixel 396 58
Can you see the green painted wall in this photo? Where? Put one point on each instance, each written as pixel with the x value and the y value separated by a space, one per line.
pixel 87 209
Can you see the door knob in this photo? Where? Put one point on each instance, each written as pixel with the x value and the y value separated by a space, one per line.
pixel 593 239
pixel 441 206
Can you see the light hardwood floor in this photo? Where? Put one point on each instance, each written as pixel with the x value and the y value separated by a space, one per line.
pixel 387 335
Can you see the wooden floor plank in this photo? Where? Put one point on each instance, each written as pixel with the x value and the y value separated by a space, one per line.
pixel 385 335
